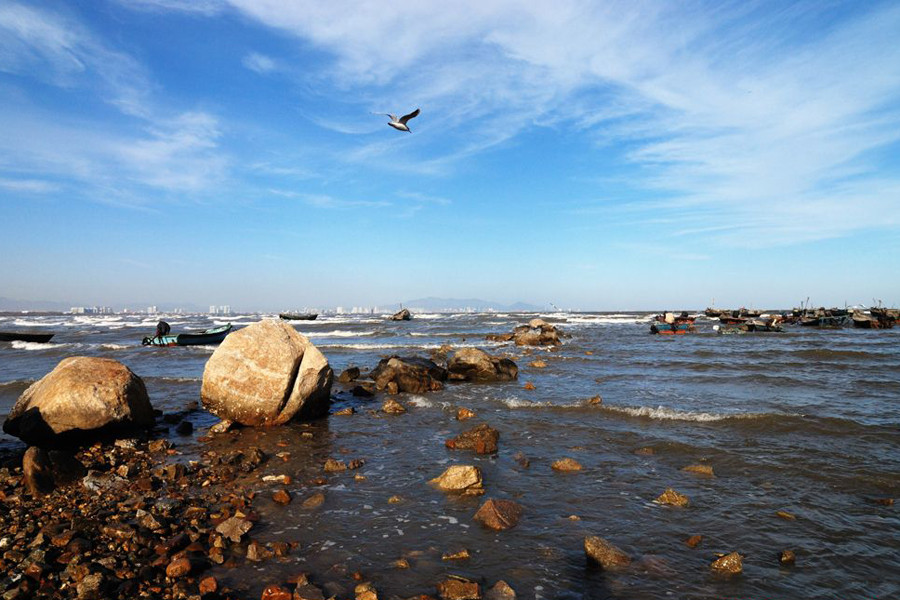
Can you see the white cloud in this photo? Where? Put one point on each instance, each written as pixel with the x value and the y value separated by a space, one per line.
pixel 327 201
pixel 34 186
pixel 260 63
pixel 765 120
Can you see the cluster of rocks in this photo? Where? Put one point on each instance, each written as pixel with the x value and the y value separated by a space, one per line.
pixel 401 315
pixel 536 333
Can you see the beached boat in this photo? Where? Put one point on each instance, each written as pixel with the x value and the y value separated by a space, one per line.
pixel 826 321
pixel 298 317
pixel 715 312
pixel 671 324
pixel 864 321
pixel 750 326
pixel 201 338
pixel 885 314
pixel 727 319
pixel 16 336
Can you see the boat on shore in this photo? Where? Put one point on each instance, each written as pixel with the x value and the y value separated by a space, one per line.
pixel 298 317
pixel 201 338
pixel 17 336
pixel 870 321
pixel 885 314
pixel 672 324
pixel 751 326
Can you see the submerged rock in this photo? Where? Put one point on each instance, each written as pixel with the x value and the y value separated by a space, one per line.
pixel 673 498
pixel 464 413
pixel 730 564
pixel 699 470
pixel 537 333
pixel 401 315
pixel 566 464
pixel 81 396
pixel 482 439
pixel 604 553
pixel 460 479
pixel 234 528
pixel 266 374
pixel 413 375
pixel 500 591
pixel 392 407
pixel 499 514
pixel 787 557
pixel 472 364
pixel 458 589
pixel 694 541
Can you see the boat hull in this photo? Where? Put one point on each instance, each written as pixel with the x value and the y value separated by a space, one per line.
pixel 204 338
pixel 672 328
pixel 293 317
pixel 15 336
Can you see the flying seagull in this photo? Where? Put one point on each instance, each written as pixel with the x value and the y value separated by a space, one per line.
pixel 400 124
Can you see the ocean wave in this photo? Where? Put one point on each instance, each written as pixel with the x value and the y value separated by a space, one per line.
pixel 338 333
pixel 611 320
pixel 484 344
pixel 26 323
pixel 20 345
pixel 114 346
pixel 420 401
pixel 663 413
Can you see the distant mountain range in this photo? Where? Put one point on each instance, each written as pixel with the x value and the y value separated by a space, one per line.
pixel 438 304
pixel 36 305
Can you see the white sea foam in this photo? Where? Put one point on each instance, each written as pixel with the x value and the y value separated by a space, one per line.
pixel 421 402
pixel 610 319
pixel 376 346
pixel 114 346
pixel 26 323
pixel 20 345
pixel 338 333
pixel 663 413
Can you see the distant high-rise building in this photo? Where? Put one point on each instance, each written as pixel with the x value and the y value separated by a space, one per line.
pixel 213 310
pixel 339 310
pixel 225 310
pixel 151 310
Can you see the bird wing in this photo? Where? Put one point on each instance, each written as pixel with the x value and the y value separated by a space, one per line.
pixel 390 116
pixel 411 115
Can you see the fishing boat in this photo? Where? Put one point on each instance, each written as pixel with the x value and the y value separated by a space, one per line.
pixel 864 321
pixel 750 326
pixel 670 324
pixel 715 312
pixel 16 336
pixel 298 317
pixel 825 321
pixel 885 314
pixel 732 319
pixel 201 338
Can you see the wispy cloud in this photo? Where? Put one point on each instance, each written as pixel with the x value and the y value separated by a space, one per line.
pixel 326 201
pixel 260 63
pixel 34 186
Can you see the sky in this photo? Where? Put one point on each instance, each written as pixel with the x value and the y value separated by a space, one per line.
pixel 596 155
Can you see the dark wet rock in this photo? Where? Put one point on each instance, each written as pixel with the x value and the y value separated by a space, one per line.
pixel 401 315
pixel 361 391
pixel 473 364
pixel 365 591
pixel 500 591
pixel 348 375
pixel 222 426
pixel 461 479
pixel 499 514
pixel 45 470
pixel 184 428
pixel 103 483
pixel 604 553
pixel 787 557
pixel 694 541
pixel 234 528
pixel 521 460
pixel 536 333
pixel 730 564
pixel 482 439
pixel 392 407
pixel 566 464
pixel 705 470
pixel 458 589
pixel 400 563
pixel 645 451
pixel 266 374
pixel 307 591
pixel 334 466
pixel 81 397
pixel 412 375
pixel 672 498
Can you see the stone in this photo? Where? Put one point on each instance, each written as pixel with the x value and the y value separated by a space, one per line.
pixel 458 589
pixel 178 568
pixel 529 386
pixel 234 528
pixel 729 564
pixel 787 557
pixel 45 470
pixel 82 396
pixel 500 591
pixel 307 591
pixel 222 426
pixel 464 413
pixel 412 375
pixel 783 514
pixel 538 364
pixel 334 466
pixel 282 497
pixel 705 470
pixel 694 541
pixel 348 375
pixel 400 563
pixel 362 392
pixel 595 401
pixel 604 553
pixel 460 479
pixel 499 514
pixel 392 407
pixel 184 428
pixel 460 555
pixel 521 459
pixel 344 412
pixel 90 586
pixel 645 451
pixel 275 592
pixel 482 439
pixel 673 498
pixel 473 364
pixel 314 501
pixel 536 333
pixel 365 591
pixel 401 315
pixel 208 585
pixel 266 374
pixel 566 465
pixel 395 500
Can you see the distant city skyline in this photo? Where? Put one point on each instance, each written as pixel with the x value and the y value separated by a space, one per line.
pixel 599 155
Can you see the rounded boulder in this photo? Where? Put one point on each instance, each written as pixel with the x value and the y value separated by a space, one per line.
pixel 266 374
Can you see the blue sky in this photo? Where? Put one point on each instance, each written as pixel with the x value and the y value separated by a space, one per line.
pixel 595 155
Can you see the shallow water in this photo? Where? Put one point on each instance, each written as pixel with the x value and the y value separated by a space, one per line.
pixel 806 421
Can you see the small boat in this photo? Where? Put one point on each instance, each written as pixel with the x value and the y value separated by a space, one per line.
pixel 727 319
pixel 864 321
pixel 402 315
pixel 670 324
pixel 201 338
pixel 297 317
pixel 885 314
pixel 715 312
pixel 826 321
pixel 15 336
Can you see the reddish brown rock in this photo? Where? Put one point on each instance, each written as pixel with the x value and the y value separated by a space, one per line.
pixel 482 439
pixel 460 479
pixel 457 589
pixel 392 407
pixel 472 364
pixel 694 541
pixel 673 498
pixel 499 514
pixel 178 568
pixel 409 374
pixel 500 591
pixel 529 386
pixel 787 557
pixel 208 585
pixel 334 466
pixel 604 553
pixel 275 592
pixel 314 501
pixel 464 413
pixel 282 497
pixel 705 470
pixel 566 464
